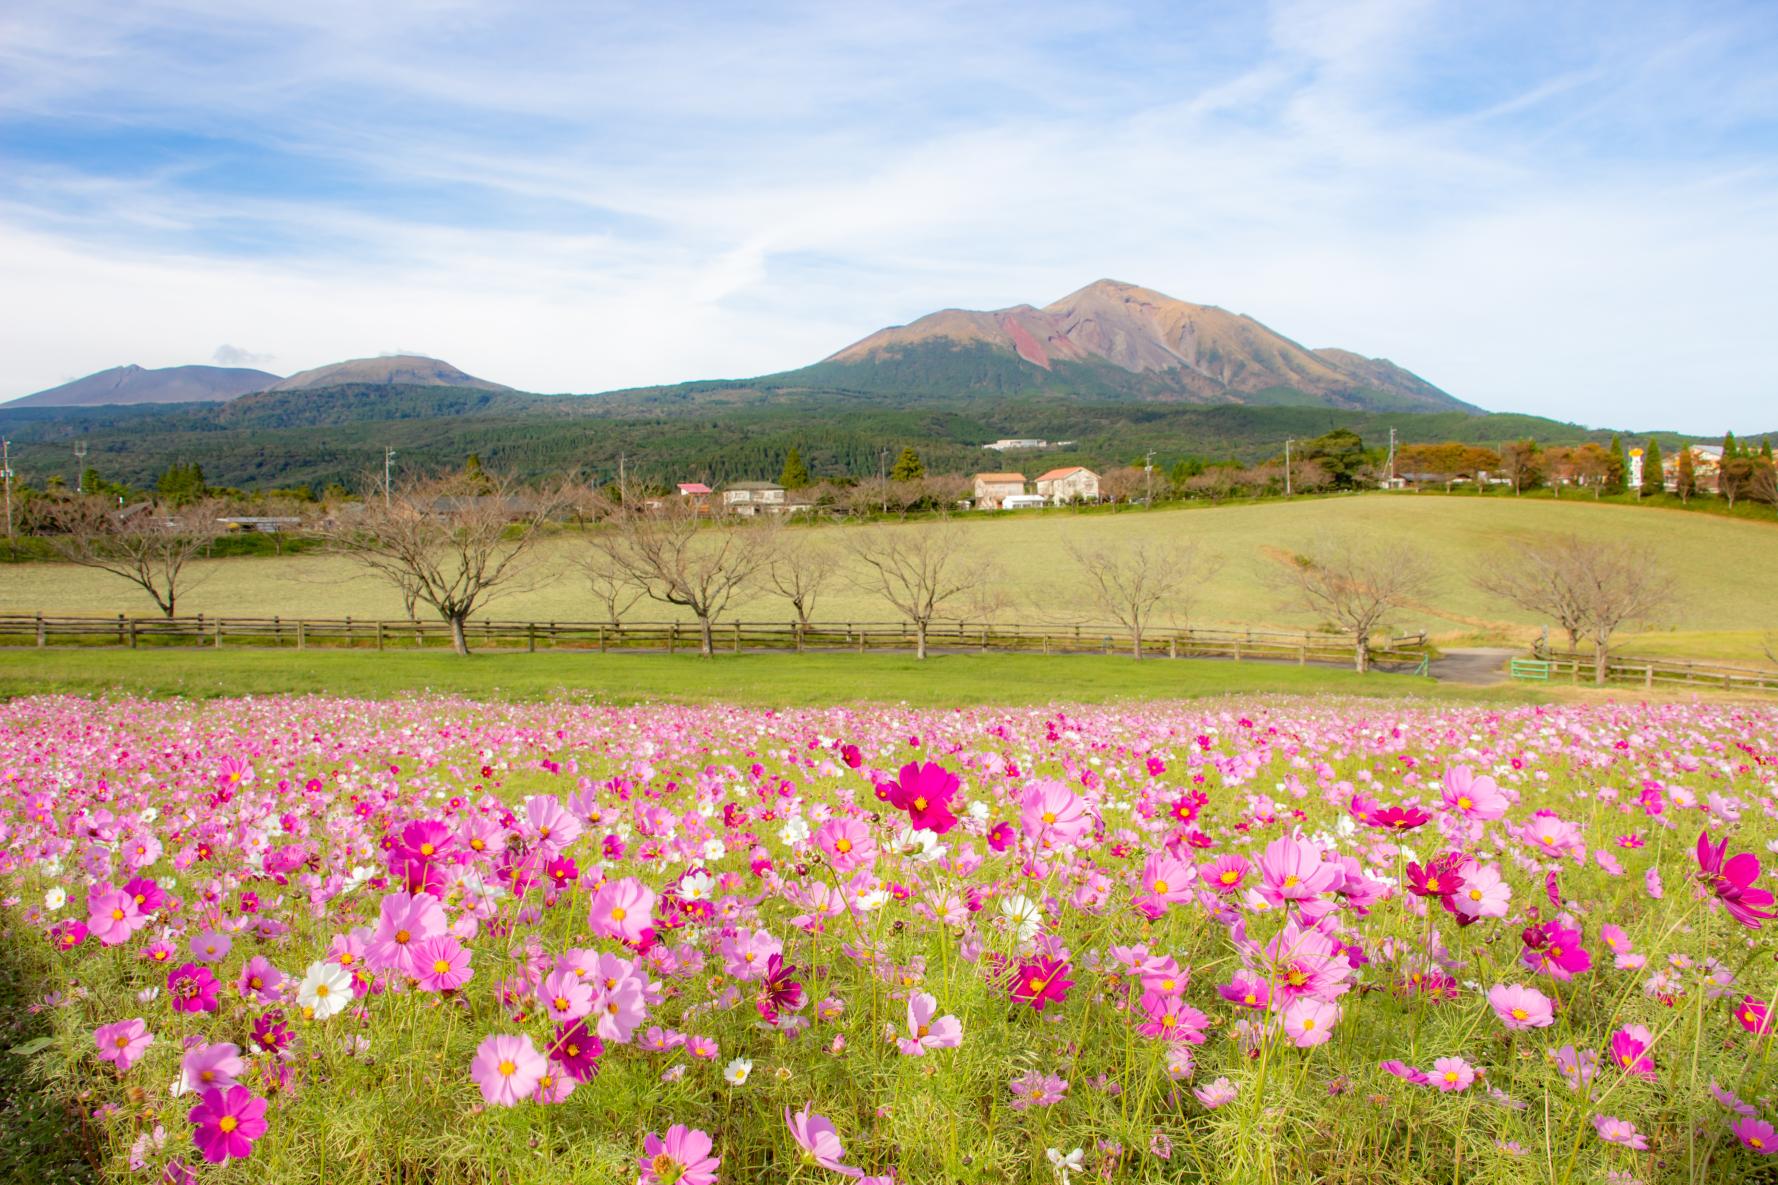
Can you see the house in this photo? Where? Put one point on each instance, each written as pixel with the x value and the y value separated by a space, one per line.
pixel 1706 464
pixel 753 497
pixel 992 489
pixel 689 489
pixel 1071 483
pixel 1022 442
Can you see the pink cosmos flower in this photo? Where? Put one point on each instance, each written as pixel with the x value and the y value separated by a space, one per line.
pixel 407 919
pixel 1247 989
pixel 1291 869
pixel 1032 1089
pixel 1613 1130
pixel 847 844
pixel 123 1043
pixel 565 996
pixel 206 1067
pixel 1521 1007
pixel 211 947
pixel 1309 1022
pixel 1629 1049
pixel 1452 1075
pixel 225 1123
pixel 816 1136
pixel 682 1157
pixel 577 1051
pixel 548 824
pixel 746 953
pixel 1217 1094
pixel 191 988
pixel 1754 1015
pixel 259 980
pixel 924 1032
pixel 1732 881
pixel 925 793
pixel 112 916
pixel 622 910
pixel 441 964
pixel 1484 893
pixel 1472 795
pixel 1170 1018
pixel 1756 1134
pixel 1166 879
pixel 507 1068
pixel 1053 815
pixel 1042 981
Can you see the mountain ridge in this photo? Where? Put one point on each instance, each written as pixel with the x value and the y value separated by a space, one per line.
pixel 136 384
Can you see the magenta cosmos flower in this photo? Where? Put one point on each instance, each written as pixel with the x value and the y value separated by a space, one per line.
pixel 1520 1007
pixel 191 988
pixel 225 1123
pixel 1732 881
pixel 1629 1049
pixel 681 1157
pixel 816 1136
pixel 925 793
pixel 622 910
pixel 507 1069
pixel 123 1044
pixel 441 964
pixel 1042 981
pixel 1756 1134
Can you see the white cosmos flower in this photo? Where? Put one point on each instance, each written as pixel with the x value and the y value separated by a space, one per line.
pixel 325 990
pixel 1024 913
pixel 794 831
pixel 55 899
pixel 736 1072
pixel 921 844
pixel 696 886
pixel 715 849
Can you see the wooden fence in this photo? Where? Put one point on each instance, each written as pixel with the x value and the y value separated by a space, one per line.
pixel 1649 673
pixel 669 636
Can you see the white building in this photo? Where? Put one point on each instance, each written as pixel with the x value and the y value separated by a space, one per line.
pixel 992 489
pixel 752 497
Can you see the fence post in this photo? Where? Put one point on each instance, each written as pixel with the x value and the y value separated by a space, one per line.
pixel 1173 646
pixel 302 634
pixel 1302 654
pixel 379 635
pixel 42 637
pixel 217 643
pixel 860 641
pixel 1648 675
pixel 132 633
pixel 796 629
pixel 737 637
pixel 1237 650
pixel 672 635
pixel 530 637
pixel 601 639
pixel 120 629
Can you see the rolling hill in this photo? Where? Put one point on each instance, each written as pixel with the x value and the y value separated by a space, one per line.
pixel 404 370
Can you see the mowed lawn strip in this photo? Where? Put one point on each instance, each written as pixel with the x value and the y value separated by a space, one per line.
pixel 757 679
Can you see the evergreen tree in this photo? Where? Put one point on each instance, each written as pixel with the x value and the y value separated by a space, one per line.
pixel 1653 481
pixel 1618 466
pixel 1685 479
pixel 908 466
pixel 182 483
pixel 1729 447
pixel 795 474
pixel 91 482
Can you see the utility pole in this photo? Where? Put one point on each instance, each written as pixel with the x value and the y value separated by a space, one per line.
pixel 388 456
pixel 6 477
pixel 1287 444
pixel 1148 470
pixel 883 476
pixel 1392 458
pixel 79 462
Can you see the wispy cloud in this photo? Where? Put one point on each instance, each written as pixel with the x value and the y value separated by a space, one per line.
pixel 568 199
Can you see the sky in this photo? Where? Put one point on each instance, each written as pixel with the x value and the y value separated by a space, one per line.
pixel 1566 209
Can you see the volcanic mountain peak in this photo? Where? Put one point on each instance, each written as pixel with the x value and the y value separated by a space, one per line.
pixel 136 384
pixel 1180 349
pixel 394 369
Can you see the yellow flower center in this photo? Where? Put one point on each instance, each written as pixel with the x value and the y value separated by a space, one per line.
pixel 425 849
pixel 619 913
pixel 1520 1014
pixel 1049 816
pixel 507 1068
pixel 1160 886
pixel 227 1123
pixel 402 936
pixel 842 845
pixel 440 967
pixel 1230 877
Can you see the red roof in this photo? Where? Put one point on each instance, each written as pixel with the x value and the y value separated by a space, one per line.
pixel 1058 474
pixel 693 487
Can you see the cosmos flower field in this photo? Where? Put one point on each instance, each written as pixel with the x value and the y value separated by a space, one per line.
pixel 283 940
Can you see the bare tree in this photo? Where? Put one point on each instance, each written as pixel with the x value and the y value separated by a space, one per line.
pixel 1588 586
pixel 1542 577
pixel 1624 584
pixel 679 555
pixel 151 546
pixel 610 585
pixel 453 543
pixel 1358 585
pixel 1135 582
pixel 917 570
pixel 798 571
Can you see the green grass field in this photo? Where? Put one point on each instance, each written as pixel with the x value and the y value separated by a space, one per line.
pixel 772 680
pixel 1725 570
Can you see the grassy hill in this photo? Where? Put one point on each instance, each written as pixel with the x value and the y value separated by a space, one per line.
pixel 1725 570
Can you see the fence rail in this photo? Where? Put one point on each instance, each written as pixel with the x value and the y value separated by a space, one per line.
pixel 19 629
pixel 1626 670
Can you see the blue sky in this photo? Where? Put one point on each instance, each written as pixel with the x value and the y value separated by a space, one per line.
pixel 1573 213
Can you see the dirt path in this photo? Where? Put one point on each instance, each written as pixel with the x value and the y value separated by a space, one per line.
pixel 1477 666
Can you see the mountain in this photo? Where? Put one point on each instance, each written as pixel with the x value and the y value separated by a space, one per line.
pixel 1113 339
pixel 170 384
pixel 405 370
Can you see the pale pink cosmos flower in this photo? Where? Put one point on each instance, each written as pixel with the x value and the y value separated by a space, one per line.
pixel 112 916
pixel 207 1067
pixel 1452 1075
pixel 548 824
pixel 820 1142
pixel 847 844
pixel 1053 815
pixel 1613 1130
pixel 1291 869
pixel 1520 1007
pixel 681 1157
pixel 1217 1094
pixel 123 1043
pixel 407 919
pixel 1309 1022
pixel 565 996
pixel 507 1068
pixel 1472 795
pixel 442 964
pixel 924 1032
pixel 622 910
pixel 746 953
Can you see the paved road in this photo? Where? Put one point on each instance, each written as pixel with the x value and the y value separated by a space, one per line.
pixel 1478 666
